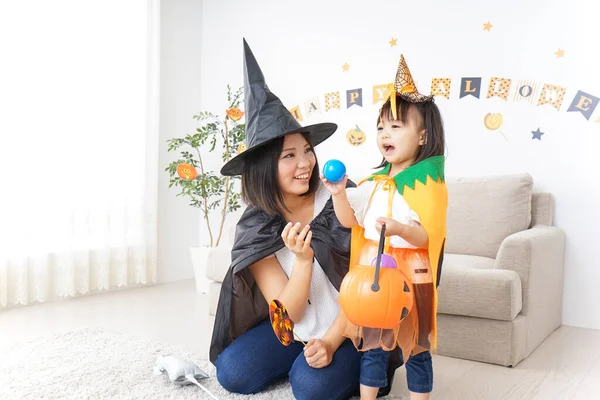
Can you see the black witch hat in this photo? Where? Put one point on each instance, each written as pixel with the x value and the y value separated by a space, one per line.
pixel 266 117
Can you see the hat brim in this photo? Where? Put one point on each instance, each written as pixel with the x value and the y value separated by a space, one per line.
pixel 416 97
pixel 318 133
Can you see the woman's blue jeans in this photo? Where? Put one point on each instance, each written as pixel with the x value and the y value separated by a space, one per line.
pixel 257 359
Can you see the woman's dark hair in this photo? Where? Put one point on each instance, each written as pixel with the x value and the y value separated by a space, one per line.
pixel 260 185
pixel 431 119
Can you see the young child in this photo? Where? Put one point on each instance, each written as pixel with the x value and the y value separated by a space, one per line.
pixel 408 195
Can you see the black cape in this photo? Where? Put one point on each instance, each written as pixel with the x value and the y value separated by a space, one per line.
pixel 241 304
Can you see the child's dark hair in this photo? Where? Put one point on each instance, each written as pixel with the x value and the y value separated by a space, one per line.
pixel 260 184
pixel 435 142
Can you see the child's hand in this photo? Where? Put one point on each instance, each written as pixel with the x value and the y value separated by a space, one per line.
pixel 413 234
pixel 337 187
pixel 392 227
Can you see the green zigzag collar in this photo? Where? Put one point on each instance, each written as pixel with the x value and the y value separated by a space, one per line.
pixel 432 166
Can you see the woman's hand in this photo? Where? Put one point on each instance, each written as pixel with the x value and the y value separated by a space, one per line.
pixel 298 243
pixel 318 353
pixel 335 188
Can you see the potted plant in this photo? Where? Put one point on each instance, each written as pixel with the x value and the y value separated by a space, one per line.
pixel 208 190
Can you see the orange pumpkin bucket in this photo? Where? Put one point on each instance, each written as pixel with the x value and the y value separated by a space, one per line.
pixel 376 297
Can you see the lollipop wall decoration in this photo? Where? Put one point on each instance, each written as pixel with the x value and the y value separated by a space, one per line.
pixel 493 122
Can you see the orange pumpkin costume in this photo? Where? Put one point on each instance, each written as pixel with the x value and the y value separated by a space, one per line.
pixel 422 186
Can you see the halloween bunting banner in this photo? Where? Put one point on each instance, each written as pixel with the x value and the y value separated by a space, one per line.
pixel 534 93
pixel 354 98
pixel 470 87
pixel 584 103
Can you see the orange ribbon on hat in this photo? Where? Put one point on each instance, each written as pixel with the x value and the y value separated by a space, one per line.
pixel 392 90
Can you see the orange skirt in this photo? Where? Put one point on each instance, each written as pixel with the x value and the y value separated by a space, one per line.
pixel 412 334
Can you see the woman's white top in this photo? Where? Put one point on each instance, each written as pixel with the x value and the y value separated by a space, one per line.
pixel 367 215
pixel 322 308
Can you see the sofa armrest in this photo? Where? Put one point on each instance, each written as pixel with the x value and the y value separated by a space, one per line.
pixel 480 293
pixel 537 255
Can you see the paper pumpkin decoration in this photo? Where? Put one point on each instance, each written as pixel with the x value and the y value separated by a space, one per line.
pixel 281 322
pixel 384 308
pixel 235 114
pixel 356 137
pixel 187 171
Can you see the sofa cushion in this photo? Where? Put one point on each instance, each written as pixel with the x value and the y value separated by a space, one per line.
pixel 482 212
pixel 467 261
pixel 471 287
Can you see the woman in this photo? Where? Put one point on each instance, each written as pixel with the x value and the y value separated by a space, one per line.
pixel 289 246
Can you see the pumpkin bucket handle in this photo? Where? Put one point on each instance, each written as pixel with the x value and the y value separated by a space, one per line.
pixel 375 285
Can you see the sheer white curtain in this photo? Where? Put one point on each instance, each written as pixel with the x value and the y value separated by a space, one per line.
pixel 78 147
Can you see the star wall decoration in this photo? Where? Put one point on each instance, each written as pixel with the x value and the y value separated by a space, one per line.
pixel 537 134
pixel 345 67
pixel 487 26
pixel 393 42
pixel 560 53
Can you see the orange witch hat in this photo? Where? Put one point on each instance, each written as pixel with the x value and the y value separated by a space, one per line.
pixel 405 87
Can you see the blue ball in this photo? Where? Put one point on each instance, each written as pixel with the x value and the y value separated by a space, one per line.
pixel 334 170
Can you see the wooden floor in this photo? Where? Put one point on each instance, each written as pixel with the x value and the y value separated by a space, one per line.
pixel 565 366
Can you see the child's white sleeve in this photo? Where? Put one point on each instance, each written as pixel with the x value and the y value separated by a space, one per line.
pixel 358 198
pixel 402 212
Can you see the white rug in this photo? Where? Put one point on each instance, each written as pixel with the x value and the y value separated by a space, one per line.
pixel 99 364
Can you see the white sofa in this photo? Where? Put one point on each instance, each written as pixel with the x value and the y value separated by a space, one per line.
pixel 500 293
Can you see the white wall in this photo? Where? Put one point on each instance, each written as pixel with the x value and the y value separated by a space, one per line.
pixel 178 223
pixel 301 47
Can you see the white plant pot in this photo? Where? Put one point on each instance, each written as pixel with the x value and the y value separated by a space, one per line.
pixel 210 264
